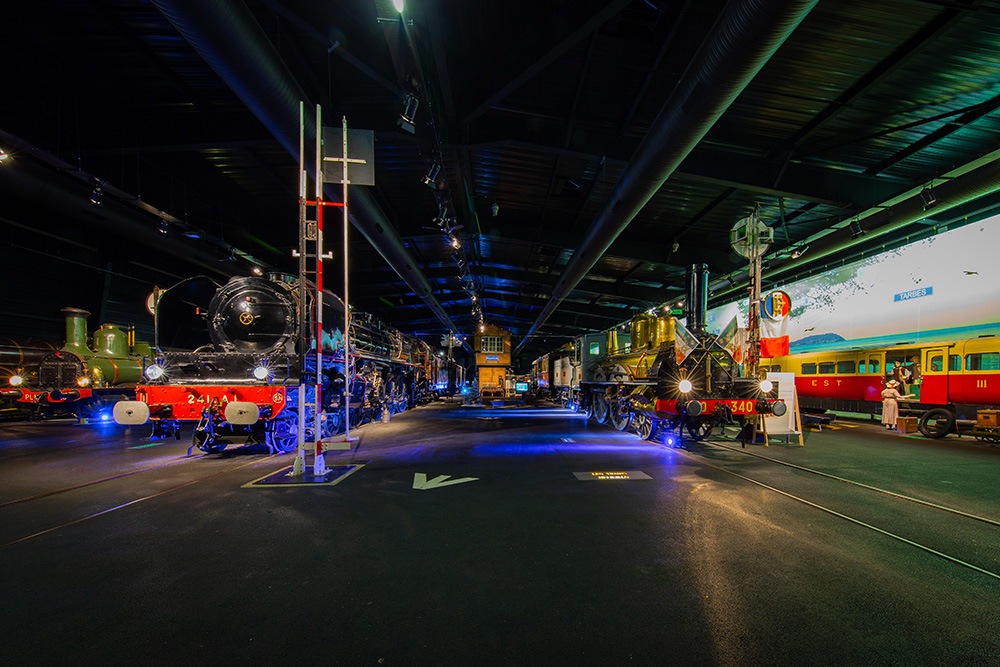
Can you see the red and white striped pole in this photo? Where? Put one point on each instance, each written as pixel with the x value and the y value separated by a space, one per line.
pixel 319 463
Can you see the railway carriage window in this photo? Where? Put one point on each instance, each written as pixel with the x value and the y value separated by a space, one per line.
pixel 776 368
pixel 809 369
pixel 955 362
pixel 873 365
pixel 937 363
pixel 845 367
pixel 983 361
pixel 827 367
pixel 595 349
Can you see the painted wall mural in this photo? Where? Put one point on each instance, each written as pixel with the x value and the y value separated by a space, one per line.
pixel 943 287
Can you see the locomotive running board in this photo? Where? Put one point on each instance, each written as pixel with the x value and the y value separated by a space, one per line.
pixel 284 477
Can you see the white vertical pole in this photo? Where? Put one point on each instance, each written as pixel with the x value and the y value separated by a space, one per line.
pixel 319 464
pixel 347 306
pixel 300 454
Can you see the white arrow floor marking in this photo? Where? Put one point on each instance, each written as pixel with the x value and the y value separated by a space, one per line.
pixel 421 482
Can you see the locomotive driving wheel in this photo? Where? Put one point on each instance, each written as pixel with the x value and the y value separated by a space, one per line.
pixel 600 408
pixel 620 416
pixel 281 433
pixel 331 423
pixel 645 426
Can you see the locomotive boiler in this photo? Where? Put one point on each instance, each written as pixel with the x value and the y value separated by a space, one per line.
pixel 81 378
pixel 664 377
pixel 238 378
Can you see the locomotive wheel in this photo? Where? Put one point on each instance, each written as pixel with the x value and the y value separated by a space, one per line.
pixel 331 423
pixel 600 409
pixel 281 433
pixel 699 429
pixel 620 417
pixel 936 423
pixel 643 424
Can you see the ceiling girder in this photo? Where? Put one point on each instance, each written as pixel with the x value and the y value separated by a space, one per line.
pixel 750 173
pixel 911 47
pixel 538 64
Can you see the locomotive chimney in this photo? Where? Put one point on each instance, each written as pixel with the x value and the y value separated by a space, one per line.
pixel 697 297
pixel 76 330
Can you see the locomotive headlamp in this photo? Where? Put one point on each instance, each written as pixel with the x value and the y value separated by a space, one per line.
pixel 261 372
pixel 83 381
pixel 766 386
pixel 154 372
pixel 685 386
pixel 16 380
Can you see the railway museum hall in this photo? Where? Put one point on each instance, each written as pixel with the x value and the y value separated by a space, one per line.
pixel 416 332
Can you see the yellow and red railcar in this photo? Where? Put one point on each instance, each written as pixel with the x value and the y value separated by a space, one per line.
pixel 949 381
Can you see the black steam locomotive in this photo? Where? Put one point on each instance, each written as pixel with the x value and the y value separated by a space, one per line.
pixel 239 378
pixel 654 375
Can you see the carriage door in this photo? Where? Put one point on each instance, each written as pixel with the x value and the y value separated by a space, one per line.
pixel 934 376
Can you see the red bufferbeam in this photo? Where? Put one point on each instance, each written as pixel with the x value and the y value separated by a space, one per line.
pixel 189 401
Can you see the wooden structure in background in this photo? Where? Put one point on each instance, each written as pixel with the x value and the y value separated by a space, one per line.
pixel 492 345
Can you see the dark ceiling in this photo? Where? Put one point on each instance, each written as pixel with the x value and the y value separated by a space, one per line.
pixel 590 151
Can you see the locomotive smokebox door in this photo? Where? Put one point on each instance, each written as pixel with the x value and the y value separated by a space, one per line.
pixel 131 413
pixel 242 413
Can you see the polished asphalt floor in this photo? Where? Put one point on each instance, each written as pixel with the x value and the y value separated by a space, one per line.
pixel 471 536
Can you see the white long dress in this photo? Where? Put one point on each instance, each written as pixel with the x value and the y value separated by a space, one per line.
pixel 890 406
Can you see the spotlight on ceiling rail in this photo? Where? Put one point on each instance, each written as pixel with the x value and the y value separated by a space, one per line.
pixel 399 5
pixel 407 119
pixel 495 208
pixel 3 155
pixel 430 180
pixel 928 197
pixel 164 226
pixel 97 195
pixel 856 230
pixel 798 252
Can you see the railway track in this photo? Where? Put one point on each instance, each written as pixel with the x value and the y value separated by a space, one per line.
pixel 26 517
pixel 966 539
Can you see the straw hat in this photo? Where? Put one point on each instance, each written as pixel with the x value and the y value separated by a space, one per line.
pixel 892 383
